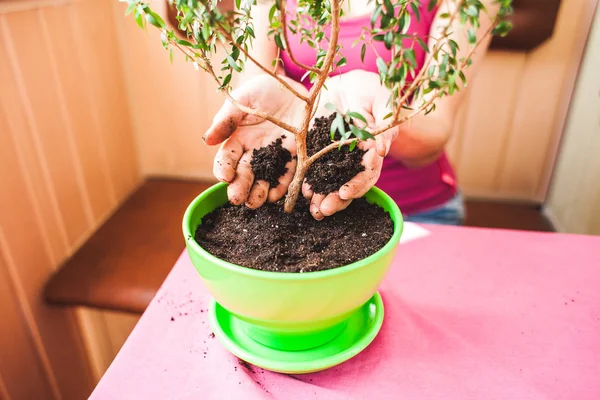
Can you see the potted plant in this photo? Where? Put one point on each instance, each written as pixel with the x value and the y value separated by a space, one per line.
pixel 282 300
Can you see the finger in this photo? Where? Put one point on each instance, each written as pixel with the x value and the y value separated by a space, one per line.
pixel 315 204
pixel 382 145
pixel 238 190
pixel 307 192
pixel 277 192
pixel 363 181
pixel 258 194
pixel 226 160
pixel 332 204
pixel 224 124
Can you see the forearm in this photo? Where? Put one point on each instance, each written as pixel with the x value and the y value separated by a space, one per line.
pixel 421 140
pixel 263 48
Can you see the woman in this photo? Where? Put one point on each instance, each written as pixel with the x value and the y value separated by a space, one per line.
pixel 408 162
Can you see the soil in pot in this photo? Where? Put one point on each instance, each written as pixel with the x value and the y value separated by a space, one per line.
pixel 270 239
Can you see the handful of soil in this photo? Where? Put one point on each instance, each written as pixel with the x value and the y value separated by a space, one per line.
pixel 269 163
pixel 334 169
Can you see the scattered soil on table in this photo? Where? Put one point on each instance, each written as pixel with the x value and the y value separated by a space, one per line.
pixel 269 163
pixel 335 168
pixel 270 239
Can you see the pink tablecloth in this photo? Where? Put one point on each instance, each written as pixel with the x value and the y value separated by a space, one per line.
pixel 469 314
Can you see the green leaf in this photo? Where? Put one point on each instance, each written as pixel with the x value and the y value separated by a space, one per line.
pixel 463 78
pixel 130 8
pixel 331 107
pixel 385 21
pixel 139 19
pixel 238 4
pixel 338 125
pixel 472 11
pixel 434 85
pixel 453 47
pixel 171 54
pixel 184 43
pixel 389 8
pixel 388 115
pixel 363 50
pixel 471 36
pixel 226 81
pixel 233 64
pixel 279 42
pixel 356 115
pixel 205 31
pixel 502 29
pixel 415 10
pixel 431 70
pixel 235 53
pixel 432 4
pixel 382 67
pixel 272 11
pixel 352 146
pixel 250 31
pixel 423 45
pixel 155 19
pixel 404 23
pixel 360 133
pixel 387 39
pixel 375 15
pixel 430 109
pixel 409 54
pixel 342 62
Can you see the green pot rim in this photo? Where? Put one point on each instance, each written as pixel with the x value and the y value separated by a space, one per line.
pixel 395 214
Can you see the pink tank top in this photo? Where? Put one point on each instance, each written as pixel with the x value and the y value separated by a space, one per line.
pixel 413 189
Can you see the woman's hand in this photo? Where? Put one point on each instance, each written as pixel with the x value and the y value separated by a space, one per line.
pixel 240 133
pixel 358 91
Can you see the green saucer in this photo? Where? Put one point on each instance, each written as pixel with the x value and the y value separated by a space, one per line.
pixel 360 331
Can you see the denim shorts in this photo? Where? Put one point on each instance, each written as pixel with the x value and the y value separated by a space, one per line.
pixel 450 213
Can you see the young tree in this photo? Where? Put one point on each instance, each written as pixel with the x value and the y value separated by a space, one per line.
pixel 208 30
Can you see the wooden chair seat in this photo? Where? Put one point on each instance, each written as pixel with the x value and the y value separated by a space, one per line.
pixel 124 263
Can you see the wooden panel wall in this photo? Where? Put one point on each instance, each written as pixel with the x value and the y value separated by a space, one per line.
pixel 507 135
pixel 67 159
pixel 574 199
pixel 504 144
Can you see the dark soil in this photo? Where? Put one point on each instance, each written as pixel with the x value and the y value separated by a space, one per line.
pixel 269 163
pixel 269 239
pixel 335 168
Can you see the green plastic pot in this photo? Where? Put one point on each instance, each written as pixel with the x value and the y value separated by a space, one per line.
pixel 289 311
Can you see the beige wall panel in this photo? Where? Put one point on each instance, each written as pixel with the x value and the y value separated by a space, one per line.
pixel 50 132
pixel 172 104
pixel 546 87
pixel 19 122
pixel 574 196
pixel 95 39
pixel 488 121
pixel 89 148
pixel 67 159
pixel 55 332
pixel 21 373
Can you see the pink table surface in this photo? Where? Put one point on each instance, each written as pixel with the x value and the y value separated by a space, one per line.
pixel 469 314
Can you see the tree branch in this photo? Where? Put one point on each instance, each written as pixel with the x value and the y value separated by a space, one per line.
pixel 331 51
pixel 267 71
pixel 246 109
pixel 417 81
pixel 282 4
